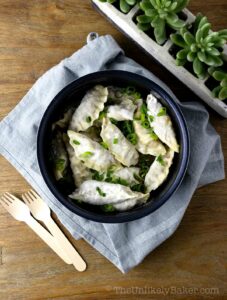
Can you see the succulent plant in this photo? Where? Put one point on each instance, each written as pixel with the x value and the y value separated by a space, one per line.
pixel 201 46
pixel 159 14
pixel 220 75
pixel 125 5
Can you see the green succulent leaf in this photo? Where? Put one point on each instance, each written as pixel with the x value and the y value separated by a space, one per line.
pixel 198 68
pixel 160 32
pixel 180 62
pixel 197 22
pixel 124 6
pixel 151 13
pixel 224 82
pixel 223 34
pixel 143 19
pixel 189 38
pixel 144 27
pixel 181 5
pixel 219 75
pixel 191 56
pixel 223 93
pixel 145 5
pixel 216 91
pixel 182 54
pixel 178 40
pixel 213 51
pixel 131 2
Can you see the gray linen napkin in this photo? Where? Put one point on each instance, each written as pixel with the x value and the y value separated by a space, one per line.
pixel 124 244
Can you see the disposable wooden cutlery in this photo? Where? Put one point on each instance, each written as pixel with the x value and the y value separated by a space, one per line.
pixel 21 212
pixel 41 211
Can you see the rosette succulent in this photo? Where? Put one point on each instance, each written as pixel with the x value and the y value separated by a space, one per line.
pixel 220 75
pixel 201 46
pixel 125 5
pixel 159 14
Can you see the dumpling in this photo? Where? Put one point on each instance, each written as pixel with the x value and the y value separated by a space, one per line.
pixel 79 170
pixel 90 152
pixel 158 171
pixel 123 111
pixel 146 143
pixel 161 123
pixel 64 122
pixel 59 156
pixel 88 111
pixel 100 193
pixel 117 143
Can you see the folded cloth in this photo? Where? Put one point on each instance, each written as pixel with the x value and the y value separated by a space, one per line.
pixel 124 244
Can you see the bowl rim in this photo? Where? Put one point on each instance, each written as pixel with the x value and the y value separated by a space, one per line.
pixel 127 215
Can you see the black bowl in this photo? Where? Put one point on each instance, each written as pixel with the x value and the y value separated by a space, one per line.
pixel 71 95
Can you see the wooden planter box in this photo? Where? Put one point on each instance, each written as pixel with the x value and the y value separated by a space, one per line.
pixel 163 54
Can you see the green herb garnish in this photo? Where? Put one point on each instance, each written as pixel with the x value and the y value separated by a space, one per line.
pixel 132 137
pixel 88 119
pixel 162 112
pixel 102 114
pixel 108 208
pixel 153 135
pixel 76 142
pixel 137 177
pixel 86 154
pixel 113 121
pixel 101 193
pixel 118 180
pixel 104 145
pixel 137 187
pixel 115 141
pixel 145 124
pixel 60 164
pixel 160 160
pixel 151 118
pixel 97 176
pixel 130 90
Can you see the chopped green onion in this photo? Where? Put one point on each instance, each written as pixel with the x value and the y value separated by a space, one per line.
pixel 86 154
pixel 97 176
pixel 151 118
pixel 60 164
pixel 113 121
pixel 130 90
pixel 127 126
pixel 153 135
pixel 160 160
pixel 108 208
pixel 76 142
pixel 115 141
pixel 145 124
pixel 102 114
pixel 137 187
pixel 137 177
pixel 101 193
pixel 88 119
pixel 143 109
pixel 137 96
pixel 132 137
pixel 105 145
pixel 162 112
pixel 119 180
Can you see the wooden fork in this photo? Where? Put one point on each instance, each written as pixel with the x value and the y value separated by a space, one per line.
pixel 41 211
pixel 21 212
